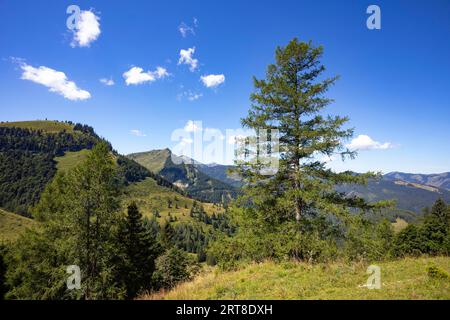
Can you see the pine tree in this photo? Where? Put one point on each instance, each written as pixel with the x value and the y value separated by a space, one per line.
pixel 78 215
pixel 436 228
pixel 140 249
pixel 167 234
pixel 291 100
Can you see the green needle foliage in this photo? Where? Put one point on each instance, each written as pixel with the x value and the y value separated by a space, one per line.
pixel 79 213
pixel 284 205
pixel 430 236
pixel 139 250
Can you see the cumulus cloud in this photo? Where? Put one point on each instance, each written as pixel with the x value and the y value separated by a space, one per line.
pixel 137 133
pixel 364 142
pixel 136 75
pixel 56 81
pixel 107 82
pixel 212 80
pixel 87 29
pixel 186 58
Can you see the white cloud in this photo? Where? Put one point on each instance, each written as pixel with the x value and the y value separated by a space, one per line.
pixel 186 58
pixel 194 96
pixel 191 96
pixel 137 133
pixel 136 75
pixel 192 126
pixel 364 142
pixel 107 82
pixel 56 81
pixel 87 29
pixel 185 30
pixel 213 80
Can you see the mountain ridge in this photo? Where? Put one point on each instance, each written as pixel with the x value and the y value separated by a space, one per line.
pixel 186 174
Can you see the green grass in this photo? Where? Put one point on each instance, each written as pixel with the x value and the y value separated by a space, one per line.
pixel 13 225
pixel 152 160
pixel 45 125
pixel 402 279
pixel 71 159
pixel 149 196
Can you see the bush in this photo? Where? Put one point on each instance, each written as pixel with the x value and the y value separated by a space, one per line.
pixel 436 273
pixel 282 243
pixel 369 241
pixel 410 241
pixel 172 267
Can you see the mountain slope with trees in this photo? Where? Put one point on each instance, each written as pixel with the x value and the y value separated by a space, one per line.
pixel 186 176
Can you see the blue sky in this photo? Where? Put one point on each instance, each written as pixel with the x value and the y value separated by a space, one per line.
pixel 394 84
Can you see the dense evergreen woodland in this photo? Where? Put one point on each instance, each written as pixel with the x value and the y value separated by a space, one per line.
pixel 27 163
pixel 294 214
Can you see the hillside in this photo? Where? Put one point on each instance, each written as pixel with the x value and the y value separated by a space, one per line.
pixel 27 152
pixel 12 225
pixel 151 198
pixel 185 175
pixel 220 172
pixel 35 151
pixel 31 152
pixel 402 279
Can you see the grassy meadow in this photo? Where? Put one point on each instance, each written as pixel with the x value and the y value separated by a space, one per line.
pixel 13 225
pixel 401 279
pixel 44 125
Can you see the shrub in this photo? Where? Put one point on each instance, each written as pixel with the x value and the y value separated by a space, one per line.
pixel 369 241
pixel 436 273
pixel 172 267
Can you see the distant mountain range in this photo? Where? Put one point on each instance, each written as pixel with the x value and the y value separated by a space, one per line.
pixel 413 192
pixel 440 180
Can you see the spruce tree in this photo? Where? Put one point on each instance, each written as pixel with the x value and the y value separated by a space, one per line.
pixel 78 215
pixel 291 100
pixel 278 207
pixel 436 228
pixel 140 249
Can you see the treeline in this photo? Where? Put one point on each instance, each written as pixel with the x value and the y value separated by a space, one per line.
pixel 81 224
pixel 39 141
pixel 27 163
